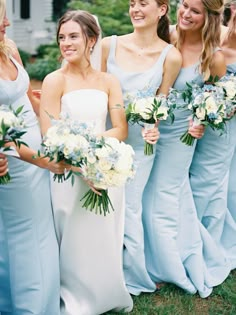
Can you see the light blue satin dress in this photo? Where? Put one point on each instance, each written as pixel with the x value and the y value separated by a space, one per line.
pixel 231 68
pixel 29 262
pixel 173 242
pixel 209 176
pixel 136 84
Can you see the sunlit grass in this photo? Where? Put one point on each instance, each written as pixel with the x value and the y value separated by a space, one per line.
pixel 171 300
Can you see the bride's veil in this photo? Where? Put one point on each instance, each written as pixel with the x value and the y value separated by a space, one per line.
pixel 96 54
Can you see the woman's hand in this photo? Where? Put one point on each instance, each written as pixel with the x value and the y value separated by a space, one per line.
pixel 3 165
pixel 151 135
pixel 53 166
pixel 197 131
pixel 78 171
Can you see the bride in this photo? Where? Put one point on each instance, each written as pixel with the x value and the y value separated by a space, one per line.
pixel 90 245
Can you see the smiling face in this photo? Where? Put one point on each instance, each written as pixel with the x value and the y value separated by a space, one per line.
pixel 191 15
pixel 145 13
pixel 72 41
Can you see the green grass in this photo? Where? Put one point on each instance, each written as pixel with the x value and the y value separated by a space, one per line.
pixel 171 300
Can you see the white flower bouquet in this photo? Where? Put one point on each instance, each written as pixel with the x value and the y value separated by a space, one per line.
pixel 108 163
pixel 228 84
pixel 207 106
pixel 104 162
pixel 12 128
pixel 67 140
pixel 146 111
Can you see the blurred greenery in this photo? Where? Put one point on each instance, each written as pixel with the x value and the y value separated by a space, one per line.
pixel 113 18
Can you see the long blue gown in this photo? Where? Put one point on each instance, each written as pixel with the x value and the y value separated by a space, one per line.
pixel 209 175
pixel 174 244
pixel 136 84
pixel 231 68
pixel 29 262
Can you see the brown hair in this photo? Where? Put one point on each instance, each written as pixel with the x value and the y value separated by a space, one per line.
pixel 164 22
pixel 86 21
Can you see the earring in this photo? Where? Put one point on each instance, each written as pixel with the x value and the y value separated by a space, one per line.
pixel 91 50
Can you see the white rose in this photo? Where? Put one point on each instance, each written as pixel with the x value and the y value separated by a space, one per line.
pixel 104 164
pixel 200 113
pixel 211 106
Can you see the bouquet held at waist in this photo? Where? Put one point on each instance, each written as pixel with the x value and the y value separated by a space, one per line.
pixel 211 105
pixel 103 161
pixel 146 112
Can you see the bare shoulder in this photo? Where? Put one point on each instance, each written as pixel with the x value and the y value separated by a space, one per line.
pixel 174 57
pixel 55 78
pixel 218 64
pixel 108 78
pixel 106 42
pixel 218 57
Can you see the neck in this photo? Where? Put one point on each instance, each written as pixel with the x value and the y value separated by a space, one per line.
pixel 79 69
pixel 144 39
pixel 192 38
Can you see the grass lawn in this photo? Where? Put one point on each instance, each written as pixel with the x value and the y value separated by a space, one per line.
pixel 171 300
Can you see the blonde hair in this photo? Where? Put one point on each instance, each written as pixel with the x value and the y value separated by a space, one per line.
pixel 210 35
pixel 4 48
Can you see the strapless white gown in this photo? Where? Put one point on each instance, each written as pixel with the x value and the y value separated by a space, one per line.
pixel 92 279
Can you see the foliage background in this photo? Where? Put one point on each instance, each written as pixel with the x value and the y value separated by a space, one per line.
pixel 113 17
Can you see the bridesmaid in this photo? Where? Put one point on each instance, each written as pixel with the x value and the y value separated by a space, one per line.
pixel 209 179
pixel 145 64
pixel 29 262
pixel 229 51
pixel 170 214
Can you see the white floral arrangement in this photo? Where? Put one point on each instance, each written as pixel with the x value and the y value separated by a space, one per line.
pixel 147 111
pixel 104 162
pixel 207 106
pixel 12 128
pixel 108 163
pixel 228 84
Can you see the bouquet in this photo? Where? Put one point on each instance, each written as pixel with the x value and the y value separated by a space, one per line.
pixel 109 163
pixel 146 111
pixel 67 140
pixel 105 162
pixel 228 84
pixel 12 128
pixel 208 108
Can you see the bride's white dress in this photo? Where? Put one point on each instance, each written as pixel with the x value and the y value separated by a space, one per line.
pixel 92 279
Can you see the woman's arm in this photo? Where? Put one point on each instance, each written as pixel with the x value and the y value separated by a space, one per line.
pixel 50 102
pixel 171 70
pixel 116 109
pixel 218 65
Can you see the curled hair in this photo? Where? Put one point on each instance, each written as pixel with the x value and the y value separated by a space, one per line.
pixel 87 22
pixel 210 34
pixel 4 48
pixel 164 22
